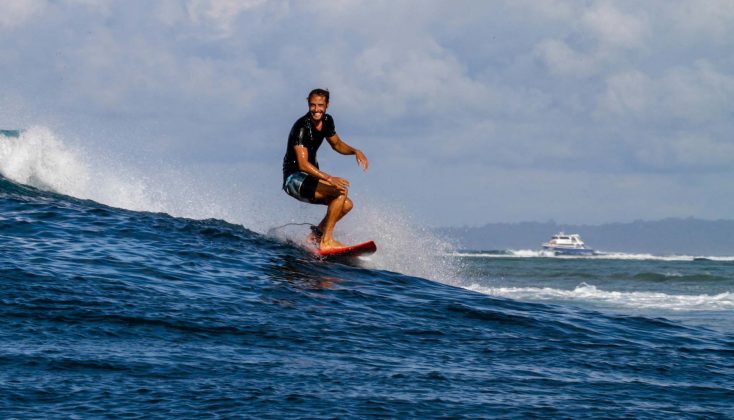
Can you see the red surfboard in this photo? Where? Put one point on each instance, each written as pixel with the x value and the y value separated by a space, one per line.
pixel 365 248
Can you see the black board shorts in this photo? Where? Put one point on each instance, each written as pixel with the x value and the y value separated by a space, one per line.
pixel 301 186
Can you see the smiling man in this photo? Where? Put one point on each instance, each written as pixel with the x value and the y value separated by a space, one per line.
pixel 302 178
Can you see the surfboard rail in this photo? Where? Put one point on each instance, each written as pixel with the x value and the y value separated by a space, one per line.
pixel 365 248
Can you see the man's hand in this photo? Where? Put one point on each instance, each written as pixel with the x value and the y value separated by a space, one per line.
pixel 361 159
pixel 340 183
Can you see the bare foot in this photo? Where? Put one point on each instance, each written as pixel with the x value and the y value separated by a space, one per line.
pixel 330 244
pixel 315 236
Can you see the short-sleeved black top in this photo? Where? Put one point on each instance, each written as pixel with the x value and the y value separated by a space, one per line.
pixel 305 134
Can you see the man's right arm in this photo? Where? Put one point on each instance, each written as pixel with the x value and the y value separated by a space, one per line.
pixel 306 166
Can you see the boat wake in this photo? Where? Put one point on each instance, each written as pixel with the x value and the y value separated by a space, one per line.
pixel 599 255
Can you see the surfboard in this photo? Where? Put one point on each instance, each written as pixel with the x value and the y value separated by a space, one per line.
pixel 365 248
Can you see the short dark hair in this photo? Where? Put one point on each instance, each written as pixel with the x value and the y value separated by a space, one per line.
pixel 319 92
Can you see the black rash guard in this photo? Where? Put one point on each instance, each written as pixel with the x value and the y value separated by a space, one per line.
pixel 305 134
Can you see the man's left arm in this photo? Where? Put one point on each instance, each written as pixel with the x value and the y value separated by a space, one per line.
pixel 341 147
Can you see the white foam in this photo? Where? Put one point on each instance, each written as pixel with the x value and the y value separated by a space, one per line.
pixel 40 159
pixel 510 253
pixel 527 253
pixel 637 300
pixel 642 257
pixel 403 246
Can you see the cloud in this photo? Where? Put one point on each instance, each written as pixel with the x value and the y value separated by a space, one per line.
pixel 613 27
pixel 548 10
pixel 690 151
pixel 427 80
pixel 611 31
pixel 631 92
pixel 697 93
pixel 564 61
pixel 521 90
pixel 709 21
pixel 700 93
pixel 220 14
pixel 15 13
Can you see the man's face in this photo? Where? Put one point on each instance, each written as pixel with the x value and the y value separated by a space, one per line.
pixel 317 107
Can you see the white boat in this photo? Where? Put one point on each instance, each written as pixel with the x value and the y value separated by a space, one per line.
pixel 567 244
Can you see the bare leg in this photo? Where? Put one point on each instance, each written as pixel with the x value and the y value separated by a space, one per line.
pixel 338 205
pixel 346 207
pixel 333 214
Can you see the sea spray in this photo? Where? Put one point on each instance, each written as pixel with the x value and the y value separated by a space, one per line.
pixel 37 158
pixel 40 158
pixel 403 245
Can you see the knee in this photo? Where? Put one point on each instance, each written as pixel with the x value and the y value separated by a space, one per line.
pixel 348 205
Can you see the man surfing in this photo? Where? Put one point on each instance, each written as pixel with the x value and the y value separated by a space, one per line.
pixel 302 178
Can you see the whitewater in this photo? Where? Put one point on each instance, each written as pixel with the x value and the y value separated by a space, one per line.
pixel 127 292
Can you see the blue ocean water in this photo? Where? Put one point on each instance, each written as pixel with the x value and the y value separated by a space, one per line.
pixel 106 312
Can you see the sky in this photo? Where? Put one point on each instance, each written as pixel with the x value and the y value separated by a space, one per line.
pixel 470 112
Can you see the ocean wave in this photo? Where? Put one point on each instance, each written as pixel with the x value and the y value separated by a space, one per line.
pixel 601 255
pixel 112 312
pixel 629 299
pixel 41 158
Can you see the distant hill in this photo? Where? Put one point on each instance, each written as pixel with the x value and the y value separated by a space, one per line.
pixel 670 236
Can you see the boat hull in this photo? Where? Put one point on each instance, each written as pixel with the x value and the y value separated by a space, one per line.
pixel 569 251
